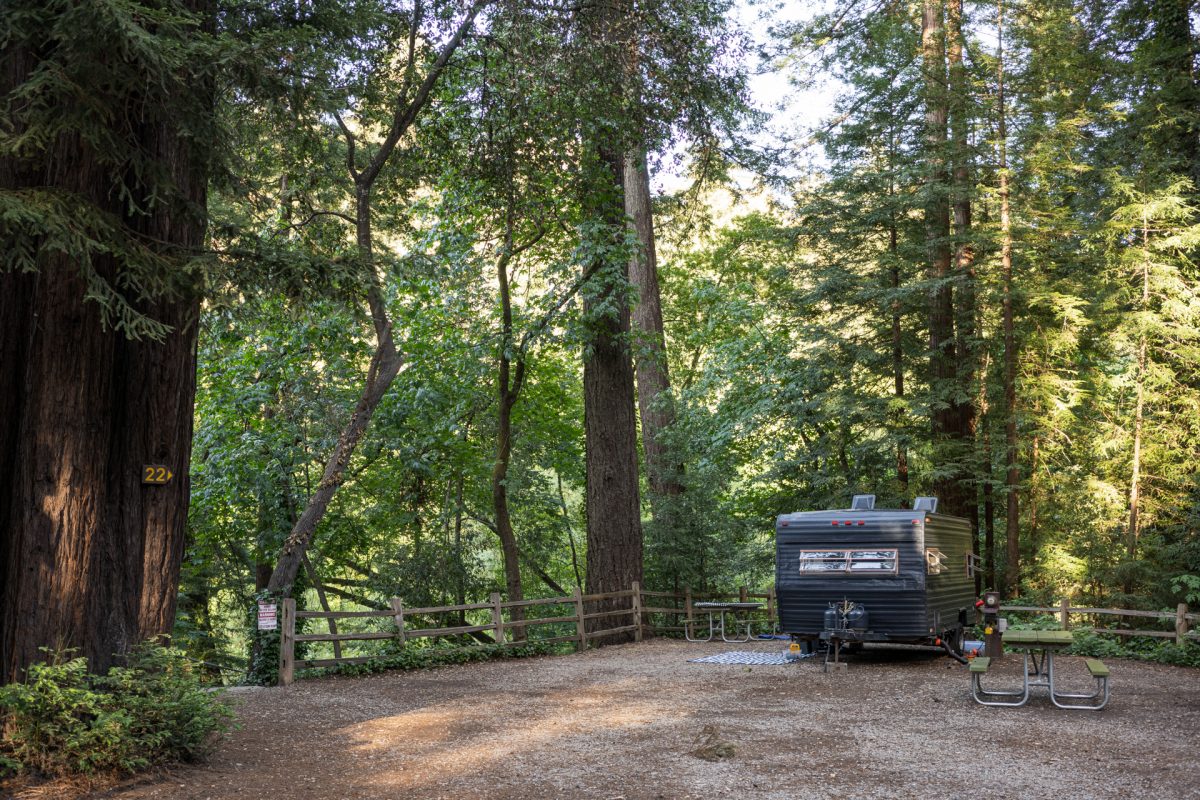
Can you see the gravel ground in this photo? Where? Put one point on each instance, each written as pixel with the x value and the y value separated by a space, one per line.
pixel 631 721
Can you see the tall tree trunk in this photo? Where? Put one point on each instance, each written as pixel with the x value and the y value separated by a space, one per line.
pixel 89 554
pixel 964 265
pixel 508 388
pixel 1035 446
pixel 1012 481
pixel 943 409
pixel 315 581
pixel 614 524
pixel 985 550
pixel 562 503
pixel 653 381
pixel 989 513
pixel 897 329
pixel 1135 478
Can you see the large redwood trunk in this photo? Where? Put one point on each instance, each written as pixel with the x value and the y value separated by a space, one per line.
pixel 964 270
pixel 614 522
pixel 89 554
pixel 944 415
pixel 614 525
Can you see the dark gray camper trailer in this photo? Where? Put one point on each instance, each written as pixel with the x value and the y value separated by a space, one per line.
pixel 874 575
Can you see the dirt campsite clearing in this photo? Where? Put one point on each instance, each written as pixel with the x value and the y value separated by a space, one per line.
pixel 641 722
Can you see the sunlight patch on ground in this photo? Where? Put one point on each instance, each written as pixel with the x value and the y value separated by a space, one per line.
pixel 487 728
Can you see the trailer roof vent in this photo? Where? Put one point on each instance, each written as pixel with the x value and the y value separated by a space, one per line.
pixel 925 504
pixel 863 502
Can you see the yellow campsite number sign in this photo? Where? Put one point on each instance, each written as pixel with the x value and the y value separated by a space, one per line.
pixel 156 474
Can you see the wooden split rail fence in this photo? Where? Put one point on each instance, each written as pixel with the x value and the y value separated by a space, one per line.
pixel 1184 621
pixel 646 611
pixel 641 619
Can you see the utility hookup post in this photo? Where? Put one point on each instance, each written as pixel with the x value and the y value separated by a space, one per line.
pixel 993 647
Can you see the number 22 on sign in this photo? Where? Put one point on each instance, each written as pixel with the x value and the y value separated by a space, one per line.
pixel 156 474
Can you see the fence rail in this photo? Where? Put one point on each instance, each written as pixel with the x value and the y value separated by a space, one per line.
pixel 1183 620
pixel 664 616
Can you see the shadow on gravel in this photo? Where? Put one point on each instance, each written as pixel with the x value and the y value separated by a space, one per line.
pixel 892 654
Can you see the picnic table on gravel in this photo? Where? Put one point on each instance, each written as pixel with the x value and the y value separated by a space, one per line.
pixel 1038 649
pixel 717 612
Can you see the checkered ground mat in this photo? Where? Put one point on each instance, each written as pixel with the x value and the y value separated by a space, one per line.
pixel 743 657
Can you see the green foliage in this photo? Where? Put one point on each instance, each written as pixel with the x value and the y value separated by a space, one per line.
pixel 98 66
pixel 64 721
pixel 413 658
pixel 1098 645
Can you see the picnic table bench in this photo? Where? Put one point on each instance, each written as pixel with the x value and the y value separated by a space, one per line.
pixel 1038 649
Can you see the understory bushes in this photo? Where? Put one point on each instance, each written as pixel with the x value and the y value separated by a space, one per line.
pixel 65 721
pixel 436 656
pixel 1097 645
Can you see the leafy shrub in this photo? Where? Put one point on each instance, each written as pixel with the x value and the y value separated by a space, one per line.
pixel 64 721
pixel 1096 645
pixel 426 657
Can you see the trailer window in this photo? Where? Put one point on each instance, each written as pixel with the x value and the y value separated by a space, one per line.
pixel 935 561
pixel 846 561
pixel 823 561
pixel 872 561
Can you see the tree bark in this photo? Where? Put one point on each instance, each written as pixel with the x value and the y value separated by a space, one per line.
pixel 508 389
pixel 90 555
pixel 1012 480
pixel 655 406
pixel 897 329
pixel 964 267
pixel 614 525
pixel 944 421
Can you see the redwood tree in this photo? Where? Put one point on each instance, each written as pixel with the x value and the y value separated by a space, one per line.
pixel 101 220
pixel 614 523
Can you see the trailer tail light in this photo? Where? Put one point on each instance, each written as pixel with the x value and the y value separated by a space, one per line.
pixel 916 522
pixel 862 522
pixel 835 523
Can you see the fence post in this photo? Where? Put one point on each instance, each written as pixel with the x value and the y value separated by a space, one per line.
pixel 637 611
pixel 580 630
pixel 771 607
pixel 1181 624
pixel 743 594
pixel 398 616
pixel 1064 609
pixel 497 618
pixel 287 642
pixel 688 611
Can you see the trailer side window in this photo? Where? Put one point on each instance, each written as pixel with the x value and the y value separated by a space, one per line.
pixel 848 561
pixel 823 561
pixel 872 561
pixel 935 561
